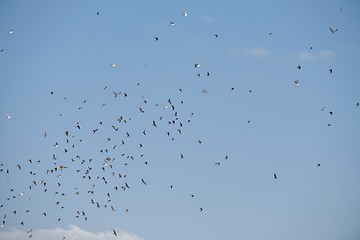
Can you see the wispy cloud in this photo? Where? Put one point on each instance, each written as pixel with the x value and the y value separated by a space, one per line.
pixel 309 56
pixel 73 232
pixel 254 52
pixel 207 19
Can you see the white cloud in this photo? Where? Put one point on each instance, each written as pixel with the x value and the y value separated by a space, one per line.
pixel 308 56
pixel 256 52
pixel 326 53
pixel 207 19
pixel 305 56
pixel 73 232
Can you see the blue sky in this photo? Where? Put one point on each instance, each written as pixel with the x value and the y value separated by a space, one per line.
pixel 223 129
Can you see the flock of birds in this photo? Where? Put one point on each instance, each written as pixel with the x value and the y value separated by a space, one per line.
pixel 109 173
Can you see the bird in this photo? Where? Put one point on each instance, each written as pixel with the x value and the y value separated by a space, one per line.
pixel 318 164
pixel 113 65
pixel 298 67
pixel 331 70
pixel 216 35
pixel 156 38
pixel 297 82
pixel 275 176
pixel 332 30
pixel 114 232
pixel 97 13
pixel 10 31
pixel 196 65
pixel 331 113
pixel 270 34
pixel 185 13
pixel 8 116
pixel 201 209
pixel 172 23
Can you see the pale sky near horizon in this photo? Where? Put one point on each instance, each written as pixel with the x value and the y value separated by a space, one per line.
pixel 131 117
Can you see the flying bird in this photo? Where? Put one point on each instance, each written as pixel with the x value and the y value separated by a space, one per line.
pixel 275 176
pixel 297 82
pixel 332 30
pixel 298 67
pixel 172 23
pixel 185 13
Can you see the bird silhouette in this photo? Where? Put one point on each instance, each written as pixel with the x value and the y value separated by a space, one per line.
pixel 333 30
